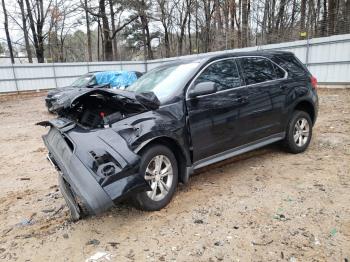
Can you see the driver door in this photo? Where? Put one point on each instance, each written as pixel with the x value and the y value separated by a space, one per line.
pixel 213 118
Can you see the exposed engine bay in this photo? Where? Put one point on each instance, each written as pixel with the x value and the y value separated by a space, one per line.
pixel 97 110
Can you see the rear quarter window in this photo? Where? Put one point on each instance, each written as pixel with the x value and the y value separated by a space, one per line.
pixel 293 66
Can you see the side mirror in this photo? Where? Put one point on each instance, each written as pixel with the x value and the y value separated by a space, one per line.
pixel 203 88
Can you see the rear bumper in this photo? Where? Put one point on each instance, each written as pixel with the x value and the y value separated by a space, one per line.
pixel 77 184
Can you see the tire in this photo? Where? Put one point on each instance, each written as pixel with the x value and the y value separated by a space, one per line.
pixel 298 132
pixel 163 186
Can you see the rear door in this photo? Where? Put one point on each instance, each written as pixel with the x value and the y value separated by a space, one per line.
pixel 262 116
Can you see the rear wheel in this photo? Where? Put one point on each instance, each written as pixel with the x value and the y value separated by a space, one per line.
pixel 299 132
pixel 159 168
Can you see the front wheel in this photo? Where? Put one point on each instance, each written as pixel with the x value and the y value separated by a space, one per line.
pixel 159 168
pixel 299 132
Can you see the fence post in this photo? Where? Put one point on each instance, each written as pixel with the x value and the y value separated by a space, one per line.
pixel 307 51
pixel 54 73
pixel 146 67
pixel 307 47
pixel 14 77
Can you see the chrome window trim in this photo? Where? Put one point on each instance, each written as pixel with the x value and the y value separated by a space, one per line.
pixel 228 58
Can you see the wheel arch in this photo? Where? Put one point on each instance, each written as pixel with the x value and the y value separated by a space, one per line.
pixel 307 107
pixel 182 158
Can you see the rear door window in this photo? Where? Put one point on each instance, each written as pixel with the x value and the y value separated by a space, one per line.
pixel 257 70
pixel 224 73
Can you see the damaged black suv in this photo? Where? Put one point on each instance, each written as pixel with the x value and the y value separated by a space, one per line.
pixel 138 143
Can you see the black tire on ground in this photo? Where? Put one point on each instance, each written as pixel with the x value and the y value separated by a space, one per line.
pixel 142 200
pixel 289 142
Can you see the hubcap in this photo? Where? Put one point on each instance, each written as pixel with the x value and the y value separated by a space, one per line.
pixel 301 132
pixel 159 174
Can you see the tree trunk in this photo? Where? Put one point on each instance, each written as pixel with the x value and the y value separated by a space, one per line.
pixel 98 39
pixel 239 23
pixel 189 3
pixel 208 18
pixel 25 32
pixel 166 41
pixel 293 15
pixel 36 28
pixel 147 36
pixel 280 15
pixel 182 33
pixel 245 23
pixel 88 33
pixel 233 20
pixel 264 22
pixel 331 16
pixel 114 42
pixel 197 29
pixel 347 17
pixel 107 41
pixel 164 20
pixel 302 16
pixel 9 43
pixel 218 17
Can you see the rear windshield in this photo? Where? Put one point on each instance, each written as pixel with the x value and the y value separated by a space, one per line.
pixel 292 65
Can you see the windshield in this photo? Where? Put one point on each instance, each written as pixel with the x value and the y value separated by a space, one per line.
pixel 163 81
pixel 83 81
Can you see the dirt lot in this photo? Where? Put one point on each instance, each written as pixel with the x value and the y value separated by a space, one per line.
pixel 265 205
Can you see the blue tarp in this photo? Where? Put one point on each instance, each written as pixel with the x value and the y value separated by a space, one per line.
pixel 117 79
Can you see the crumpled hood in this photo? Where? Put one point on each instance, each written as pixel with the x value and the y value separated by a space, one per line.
pixel 66 100
pixel 58 90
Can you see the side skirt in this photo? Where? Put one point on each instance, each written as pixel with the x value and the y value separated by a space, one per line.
pixel 238 150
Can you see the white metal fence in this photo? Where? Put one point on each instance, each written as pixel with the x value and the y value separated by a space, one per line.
pixel 327 58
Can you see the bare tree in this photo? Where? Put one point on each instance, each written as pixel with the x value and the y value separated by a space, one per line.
pixel 25 30
pixel 332 5
pixel 124 29
pixel 37 10
pixel 88 31
pixel 209 9
pixel 181 22
pixel 302 15
pixel 165 16
pixel 245 15
pixel 107 33
pixel 6 25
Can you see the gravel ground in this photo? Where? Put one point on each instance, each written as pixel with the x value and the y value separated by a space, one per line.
pixel 266 205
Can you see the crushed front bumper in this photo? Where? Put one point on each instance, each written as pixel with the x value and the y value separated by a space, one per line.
pixel 76 182
pixel 83 188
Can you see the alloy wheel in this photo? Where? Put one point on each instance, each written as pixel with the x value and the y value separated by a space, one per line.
pixel 159 174
pixel 301 132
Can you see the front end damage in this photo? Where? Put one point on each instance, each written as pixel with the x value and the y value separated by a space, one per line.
pixel 96 165
pixel 92 174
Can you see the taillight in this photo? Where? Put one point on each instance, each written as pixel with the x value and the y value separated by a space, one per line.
pixel 313 82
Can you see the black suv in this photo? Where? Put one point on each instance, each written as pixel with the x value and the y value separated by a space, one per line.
pixel 138 143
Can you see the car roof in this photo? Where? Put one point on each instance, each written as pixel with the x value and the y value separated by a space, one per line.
pixel 204 58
